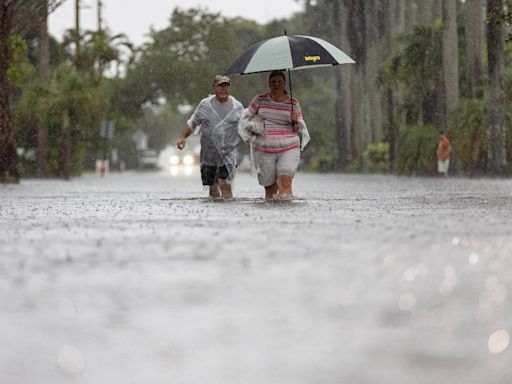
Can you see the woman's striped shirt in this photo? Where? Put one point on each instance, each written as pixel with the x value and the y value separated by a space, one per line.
pixel 279 135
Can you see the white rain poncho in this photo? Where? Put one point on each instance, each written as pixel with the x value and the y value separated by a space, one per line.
pixel 219 135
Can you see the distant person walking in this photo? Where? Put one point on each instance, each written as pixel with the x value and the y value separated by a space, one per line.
pixel 218 116
pixel 444 149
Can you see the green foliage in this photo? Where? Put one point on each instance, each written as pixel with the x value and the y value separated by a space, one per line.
pixel 67 91
pixel 468 133
pixel 163 125
pixel 19 66
pixel 417 150
pixel 502 15
pixel 322 161
pixel 129 94
pixel 376 157
pixel 86 102
pixel 316 96
pixel 180 61
pixel 416 64
pixel 100 49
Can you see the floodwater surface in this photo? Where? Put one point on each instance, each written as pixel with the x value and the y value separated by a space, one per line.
pixel 139 278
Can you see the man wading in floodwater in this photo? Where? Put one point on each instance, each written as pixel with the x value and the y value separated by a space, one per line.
pixel 218 116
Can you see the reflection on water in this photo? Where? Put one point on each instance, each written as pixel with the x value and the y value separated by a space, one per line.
pixel 70 360
pixel 473 258
pixel 66 308
pixel 449 282
pixel 407 302
pixel 499 341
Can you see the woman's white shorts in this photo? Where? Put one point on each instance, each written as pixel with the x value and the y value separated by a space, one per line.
pixel 270 165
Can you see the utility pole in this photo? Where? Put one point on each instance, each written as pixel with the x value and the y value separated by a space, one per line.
pixel 77 34
pixel 100 21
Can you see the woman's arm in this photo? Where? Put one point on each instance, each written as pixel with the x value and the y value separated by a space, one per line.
pixel 252 109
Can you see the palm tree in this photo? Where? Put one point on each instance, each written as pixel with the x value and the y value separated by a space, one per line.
pixel 98 49
pixel 15 15
pixel 101 49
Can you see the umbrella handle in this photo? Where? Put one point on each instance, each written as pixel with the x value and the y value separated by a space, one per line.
pixel 291 93
pixel 290 82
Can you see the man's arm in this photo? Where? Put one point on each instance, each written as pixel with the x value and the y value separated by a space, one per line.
pixel 187 131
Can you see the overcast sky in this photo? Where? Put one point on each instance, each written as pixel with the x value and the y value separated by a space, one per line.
pixel 135 17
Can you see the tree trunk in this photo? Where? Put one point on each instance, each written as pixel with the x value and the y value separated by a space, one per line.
pixel 373 49
pixel 356 30
pixel 400 15
pixel 396 121
pixel 474 46
pixel 66 146
pixel 496 150
pixel 342 127
pixel 342 111
pixel 78 47
pixel 43 44
pixel 439 95
pixel 450 56
pixel 437 10
pixel 409 15
pixel 424 12
pixel 8 157
pixel 392 128
pixel 42 71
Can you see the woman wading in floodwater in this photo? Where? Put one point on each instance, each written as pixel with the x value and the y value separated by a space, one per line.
pixel 277 149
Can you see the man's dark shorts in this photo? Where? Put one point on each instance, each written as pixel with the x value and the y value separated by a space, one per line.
pixel 210 173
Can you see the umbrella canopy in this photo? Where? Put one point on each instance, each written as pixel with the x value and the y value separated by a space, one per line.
pixel 288 53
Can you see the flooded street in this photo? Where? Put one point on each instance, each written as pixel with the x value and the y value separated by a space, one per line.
pixel 137 278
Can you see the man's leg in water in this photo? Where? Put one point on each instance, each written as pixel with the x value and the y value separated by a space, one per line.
pixel 215 191
pixel 209 177
pixel 225 189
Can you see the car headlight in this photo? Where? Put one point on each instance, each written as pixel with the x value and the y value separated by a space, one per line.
pixel 188 160
pixel 174 160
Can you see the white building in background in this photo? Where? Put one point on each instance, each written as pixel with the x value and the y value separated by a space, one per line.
pixel 141 139
pixel 147 157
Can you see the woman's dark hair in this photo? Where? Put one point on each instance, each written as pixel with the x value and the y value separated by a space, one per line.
pixel 277 73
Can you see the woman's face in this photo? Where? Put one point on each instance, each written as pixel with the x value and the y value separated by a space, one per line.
pixel 277 84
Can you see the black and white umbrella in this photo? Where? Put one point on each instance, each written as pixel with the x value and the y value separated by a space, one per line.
pixel 289 53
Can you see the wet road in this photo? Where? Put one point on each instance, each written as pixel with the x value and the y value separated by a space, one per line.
pixel 136 278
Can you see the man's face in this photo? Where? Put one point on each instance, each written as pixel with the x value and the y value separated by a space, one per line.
pixel 221 91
